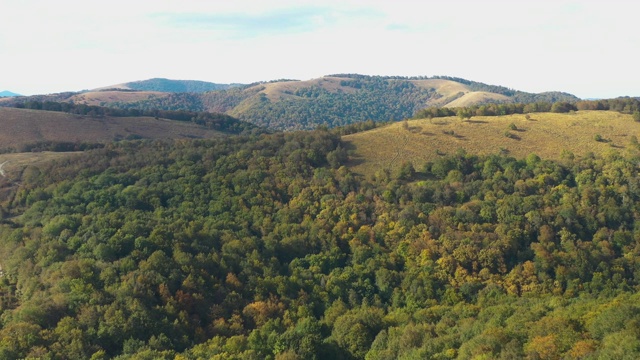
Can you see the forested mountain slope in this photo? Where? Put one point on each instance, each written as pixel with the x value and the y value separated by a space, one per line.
pixel 342 99
pixel 171 86
pixel 333 100
pixel 267 247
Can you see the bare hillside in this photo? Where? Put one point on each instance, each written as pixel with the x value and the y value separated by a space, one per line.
pixel 22 126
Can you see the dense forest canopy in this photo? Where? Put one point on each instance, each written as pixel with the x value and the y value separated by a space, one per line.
pixel 265 246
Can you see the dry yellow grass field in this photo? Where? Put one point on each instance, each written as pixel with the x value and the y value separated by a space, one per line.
pixel 477 97
pixel 449 91
pixel 545 134
pixel 443 87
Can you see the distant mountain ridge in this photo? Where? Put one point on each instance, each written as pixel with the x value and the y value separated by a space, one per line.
pixel 171 86
pixel 7 93
pixel 342 99
pixel 333 100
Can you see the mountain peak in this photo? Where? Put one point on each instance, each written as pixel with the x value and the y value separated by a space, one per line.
pixel 170 86
pixel 7 93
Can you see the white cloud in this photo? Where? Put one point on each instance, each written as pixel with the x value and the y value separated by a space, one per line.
pixel 587 48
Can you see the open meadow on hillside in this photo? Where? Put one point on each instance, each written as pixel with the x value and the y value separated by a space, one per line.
pixel 545 134
pixel 21 127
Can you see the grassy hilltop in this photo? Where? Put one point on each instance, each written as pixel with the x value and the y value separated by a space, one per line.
pixel 545 134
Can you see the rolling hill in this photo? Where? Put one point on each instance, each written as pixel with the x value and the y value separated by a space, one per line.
pixel 545 134
pixel 7 93
pixel 22 127
pixel 333 100
pixel 28 134
pixel 338 100
pixel 171 86
pixel 126 92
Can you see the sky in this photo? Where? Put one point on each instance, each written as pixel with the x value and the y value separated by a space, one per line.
pixel 588 48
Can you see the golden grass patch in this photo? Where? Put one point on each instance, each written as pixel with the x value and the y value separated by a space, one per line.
pixel 477 97
pixel 443 87
pixel 545 134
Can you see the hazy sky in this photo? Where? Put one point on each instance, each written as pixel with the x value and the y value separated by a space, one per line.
pixel 588 48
